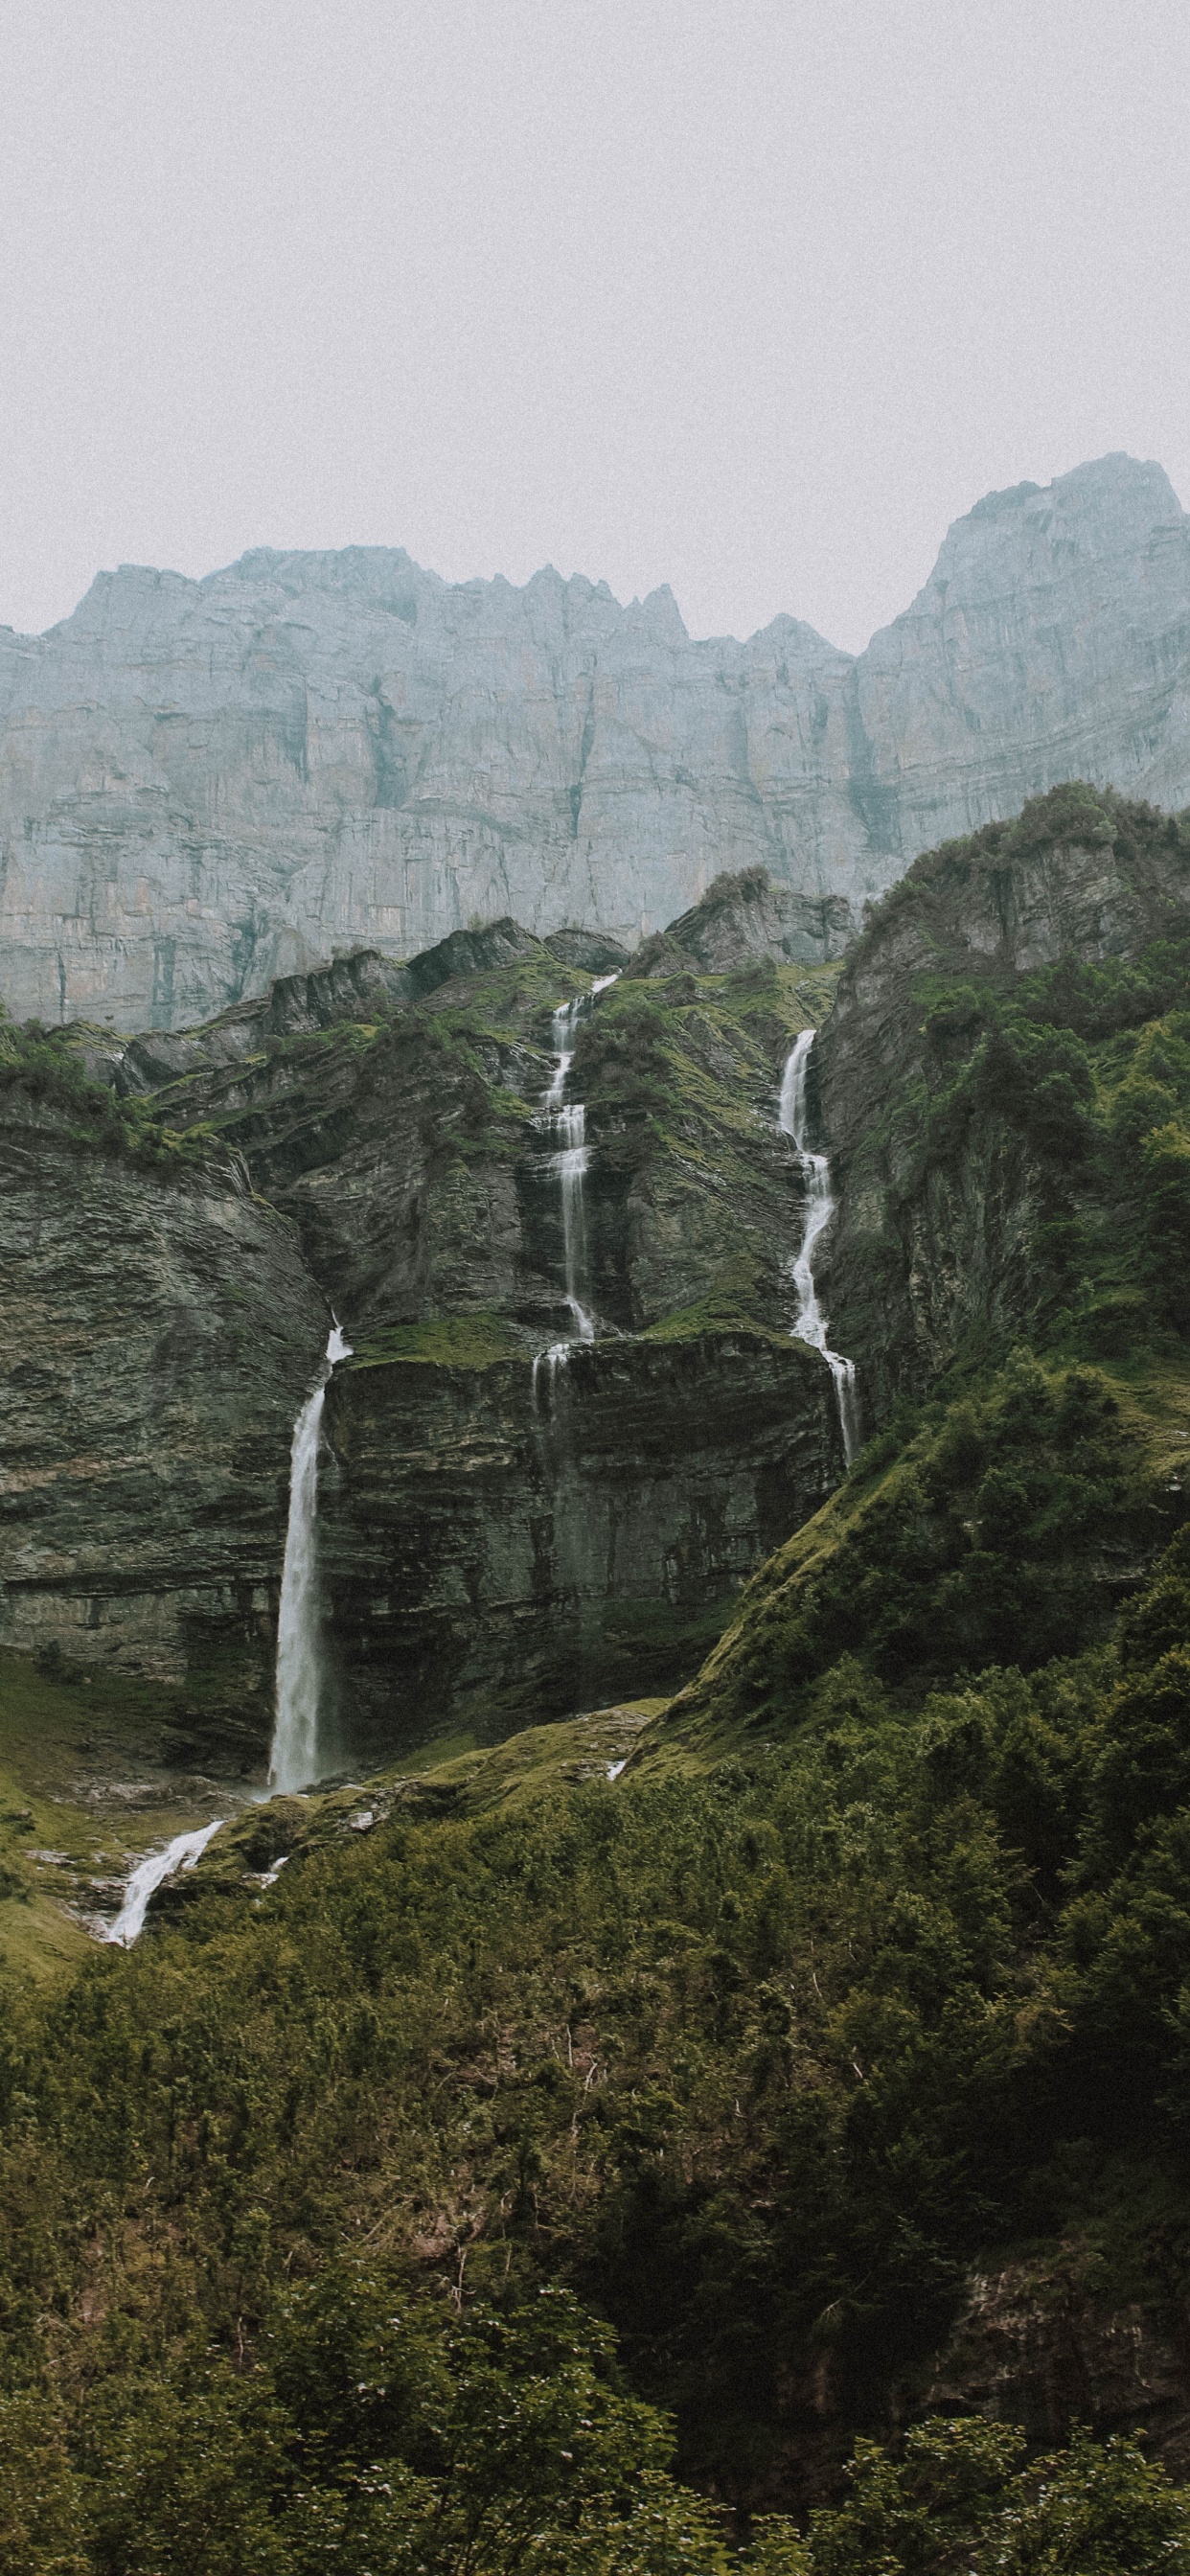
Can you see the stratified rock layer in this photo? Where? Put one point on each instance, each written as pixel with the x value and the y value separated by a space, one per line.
pixel 493 1555
pixel 967 1207
pixel 160 1332
pixel 205 785
pixel 500 1542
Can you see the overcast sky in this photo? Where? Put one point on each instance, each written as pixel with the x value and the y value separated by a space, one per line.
pixel 749 296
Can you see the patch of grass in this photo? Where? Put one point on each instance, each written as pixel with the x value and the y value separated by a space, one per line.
pixel 58 1732
pixel 477 1341
pixel 734 1303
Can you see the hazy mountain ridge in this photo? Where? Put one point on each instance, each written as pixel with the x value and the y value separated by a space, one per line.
pixel 205 784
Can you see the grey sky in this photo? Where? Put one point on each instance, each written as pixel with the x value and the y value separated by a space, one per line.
pixel 750 296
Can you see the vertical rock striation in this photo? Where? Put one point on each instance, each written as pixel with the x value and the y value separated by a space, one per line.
pixel 208 784
pixel 160 1331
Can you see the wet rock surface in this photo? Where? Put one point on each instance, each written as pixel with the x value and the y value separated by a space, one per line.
pixel 500 1542
pixel 159 1333
pixel 491 1559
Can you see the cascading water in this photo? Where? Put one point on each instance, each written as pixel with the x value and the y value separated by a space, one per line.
pixel 149 1876
pixel 295 1755
pixel 820 1208
pixel 566 1122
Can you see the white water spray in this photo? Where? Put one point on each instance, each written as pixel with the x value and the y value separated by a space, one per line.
pixel 820 1208
pixel 294 1759
pixel 149 1876
pixel 295 1755
pixel 566 1121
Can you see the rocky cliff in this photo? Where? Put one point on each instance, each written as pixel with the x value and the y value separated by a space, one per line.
pixel 161 1329
pixel 207 784
pixel 493 1557
pixel 503 1537
pixel 1005 1053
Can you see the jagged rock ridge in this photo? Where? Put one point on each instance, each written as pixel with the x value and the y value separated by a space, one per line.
pixel 207 784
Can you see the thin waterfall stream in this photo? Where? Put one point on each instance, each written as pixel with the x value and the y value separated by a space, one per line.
pixel 810 1326
pixel 297 1752
pixel 566 1122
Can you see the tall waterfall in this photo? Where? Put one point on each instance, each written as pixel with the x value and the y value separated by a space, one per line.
pixel 295 1756
pixel 820 1208
pixel 566 1123
pixel 296 1752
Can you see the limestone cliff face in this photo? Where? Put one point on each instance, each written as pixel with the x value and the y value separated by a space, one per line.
pixel 495 1553
pixel 159 1334
pixel 204 785
pixel 980 1189
pixel 499 1543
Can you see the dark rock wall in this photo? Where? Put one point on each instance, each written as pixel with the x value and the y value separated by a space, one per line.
pixel 160 1333
pixel 933 1243
pixel 489 1558
pixel 494 1554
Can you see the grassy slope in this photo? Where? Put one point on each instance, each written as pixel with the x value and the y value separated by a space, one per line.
pixel 61 1746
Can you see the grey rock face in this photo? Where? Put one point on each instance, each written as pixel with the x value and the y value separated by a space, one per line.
pixel 205 785
pixel 555 1554
pixel 937 1237
pixel 160 1334
pixel 1033 2347
pixel 744 917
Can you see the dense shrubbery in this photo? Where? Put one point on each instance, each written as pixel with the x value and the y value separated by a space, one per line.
pixel 988 1541
pixel 752 2064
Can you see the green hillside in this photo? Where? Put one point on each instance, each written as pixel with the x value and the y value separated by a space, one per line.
pixel 750 2129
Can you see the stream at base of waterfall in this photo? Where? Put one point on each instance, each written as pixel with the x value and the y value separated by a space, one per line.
pixel 297 1754
pixel 566 1123
pixel 792 1118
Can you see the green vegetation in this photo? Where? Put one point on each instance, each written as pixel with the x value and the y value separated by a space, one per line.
pixel 749 2061
pixel 1030 1153
pixel 473 1341
pixel 1075 815
pixel 43 1068
pixel 550 2171
pixel 991 1533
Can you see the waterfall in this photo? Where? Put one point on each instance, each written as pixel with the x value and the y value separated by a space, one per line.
pixel 147 1878
pixel 294 1759
pixel 566 1122
pixel 820 1208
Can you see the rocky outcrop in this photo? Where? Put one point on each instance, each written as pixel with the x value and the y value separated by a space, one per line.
pixel 743 917
pixel 593 950
pixel 503 1541
pixel 1034 2348
pixel 160 1332
pixel 206 785
pixel 954 1182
